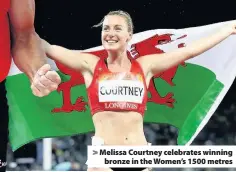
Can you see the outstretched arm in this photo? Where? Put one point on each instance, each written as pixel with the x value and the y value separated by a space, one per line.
pixel 26 50
pixel 157 63
pixel 73 59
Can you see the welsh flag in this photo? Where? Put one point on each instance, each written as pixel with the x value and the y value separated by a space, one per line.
pixel 185 96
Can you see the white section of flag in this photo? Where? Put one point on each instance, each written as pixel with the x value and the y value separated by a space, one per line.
pixel 214 59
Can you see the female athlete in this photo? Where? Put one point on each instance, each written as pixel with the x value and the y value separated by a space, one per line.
pixel 117 86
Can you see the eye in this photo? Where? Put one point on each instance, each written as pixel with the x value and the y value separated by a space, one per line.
pixel 105 29
pixel 118 29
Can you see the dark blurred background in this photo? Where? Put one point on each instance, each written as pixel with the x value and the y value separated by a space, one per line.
pixel 69 23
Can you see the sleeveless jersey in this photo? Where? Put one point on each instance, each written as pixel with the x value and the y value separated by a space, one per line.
pixel 117 91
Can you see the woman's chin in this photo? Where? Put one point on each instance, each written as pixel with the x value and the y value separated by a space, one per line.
pixel 111 49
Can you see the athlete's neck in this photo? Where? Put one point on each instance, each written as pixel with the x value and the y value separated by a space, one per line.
pixel 119 58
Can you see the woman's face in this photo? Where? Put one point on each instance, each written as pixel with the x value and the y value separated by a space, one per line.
pixel 115 35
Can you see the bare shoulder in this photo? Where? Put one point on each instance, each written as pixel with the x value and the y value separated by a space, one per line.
pixel 89 59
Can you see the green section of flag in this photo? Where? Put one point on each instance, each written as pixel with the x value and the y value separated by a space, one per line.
pixel 31 117
pixel 195 92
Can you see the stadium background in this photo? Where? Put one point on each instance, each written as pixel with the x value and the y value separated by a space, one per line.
pixel 69 23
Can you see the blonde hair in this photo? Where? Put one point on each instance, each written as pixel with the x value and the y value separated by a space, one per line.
pixel 122 14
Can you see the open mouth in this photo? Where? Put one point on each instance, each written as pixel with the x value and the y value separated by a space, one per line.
pixel 111 41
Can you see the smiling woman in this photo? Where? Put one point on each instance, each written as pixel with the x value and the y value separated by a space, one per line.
pixel 115 33
pixel 117 86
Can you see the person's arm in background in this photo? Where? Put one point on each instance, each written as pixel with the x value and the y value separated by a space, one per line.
pixel 27 50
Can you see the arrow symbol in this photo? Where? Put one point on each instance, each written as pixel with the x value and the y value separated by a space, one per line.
pixel 95 152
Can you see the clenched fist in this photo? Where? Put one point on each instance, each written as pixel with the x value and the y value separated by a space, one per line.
pixel 45 81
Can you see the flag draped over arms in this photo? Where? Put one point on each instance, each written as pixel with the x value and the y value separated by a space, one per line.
pixel 185 96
